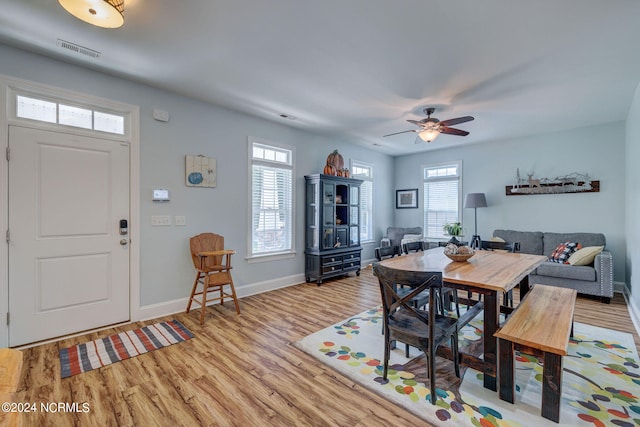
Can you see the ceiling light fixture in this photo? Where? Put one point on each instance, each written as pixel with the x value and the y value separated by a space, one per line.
pixel 429 134
pixel 101 13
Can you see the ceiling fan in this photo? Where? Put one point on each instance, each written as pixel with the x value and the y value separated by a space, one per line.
pixel 431 127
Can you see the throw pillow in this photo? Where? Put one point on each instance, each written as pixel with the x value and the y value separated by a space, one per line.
pixel 585 256
pixel 563 251
pixel 411 237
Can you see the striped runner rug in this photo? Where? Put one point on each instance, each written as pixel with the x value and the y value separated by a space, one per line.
pixel 125 345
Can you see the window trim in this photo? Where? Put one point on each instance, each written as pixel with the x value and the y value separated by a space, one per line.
pixel 92 103
pixel 271 256
pixel 371 179
pixel 424 167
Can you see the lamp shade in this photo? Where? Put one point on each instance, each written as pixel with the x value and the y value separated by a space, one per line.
pixel 429 135
pixel 101 13
pixel 475 200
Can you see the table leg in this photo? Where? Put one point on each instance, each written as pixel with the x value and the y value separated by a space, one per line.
pixel 524 286
pixel 491 322
pixel 506 371
pixel 551 386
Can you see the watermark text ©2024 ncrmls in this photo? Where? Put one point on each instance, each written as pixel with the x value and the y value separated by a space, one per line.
pixel 46 407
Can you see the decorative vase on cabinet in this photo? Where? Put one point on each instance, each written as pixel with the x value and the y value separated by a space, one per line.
pixel 332 227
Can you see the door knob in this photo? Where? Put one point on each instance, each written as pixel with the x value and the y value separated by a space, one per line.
pixel 123 242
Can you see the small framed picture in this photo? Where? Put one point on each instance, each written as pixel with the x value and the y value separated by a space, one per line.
pixel 407 199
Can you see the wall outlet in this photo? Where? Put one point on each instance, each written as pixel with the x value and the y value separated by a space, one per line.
pixel 181 220
pixel 160 220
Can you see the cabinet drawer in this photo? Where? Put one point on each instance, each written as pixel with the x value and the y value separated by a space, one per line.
pixel 351 263
pixel 331 268
pixel 331 259
pixel 351 256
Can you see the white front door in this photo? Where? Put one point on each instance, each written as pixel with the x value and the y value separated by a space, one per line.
pixel 68 262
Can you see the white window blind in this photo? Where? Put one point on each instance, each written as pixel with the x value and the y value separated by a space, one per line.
pixel 271 200
pixel 364 171
pixel 442 186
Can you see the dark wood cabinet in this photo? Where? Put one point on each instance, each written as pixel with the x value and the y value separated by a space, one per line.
pixel 332 226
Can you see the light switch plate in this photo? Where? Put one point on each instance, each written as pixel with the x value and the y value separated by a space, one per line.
pixel 181 220
pixel 160 220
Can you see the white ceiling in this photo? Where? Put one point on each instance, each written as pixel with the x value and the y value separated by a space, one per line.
pixel 357 69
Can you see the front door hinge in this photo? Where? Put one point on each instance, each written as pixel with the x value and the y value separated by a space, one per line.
pixel 7 318
pixel 8 236
pixel 8 154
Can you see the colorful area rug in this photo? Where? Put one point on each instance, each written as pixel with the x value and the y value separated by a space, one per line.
pixel 125 345
pixel 601 379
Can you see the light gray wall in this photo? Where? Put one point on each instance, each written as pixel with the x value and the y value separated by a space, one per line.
pixel 489 167
pixel 200 128
pixel 632 224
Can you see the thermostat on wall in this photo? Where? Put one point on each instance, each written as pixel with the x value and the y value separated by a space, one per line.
pixel 160 195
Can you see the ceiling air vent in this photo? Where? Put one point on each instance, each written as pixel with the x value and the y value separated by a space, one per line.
pixel 77 48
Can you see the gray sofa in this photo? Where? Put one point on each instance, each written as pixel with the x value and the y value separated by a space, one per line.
pixel 595 279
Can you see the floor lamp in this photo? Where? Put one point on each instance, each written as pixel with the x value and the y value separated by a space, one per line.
pixel 475 201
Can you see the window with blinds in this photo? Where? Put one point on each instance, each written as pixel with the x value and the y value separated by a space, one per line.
pixel 364 171
pixel 442 201
pixel 271 199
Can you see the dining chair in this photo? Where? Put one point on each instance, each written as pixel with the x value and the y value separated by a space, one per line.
pixel 426 330
pixel 415 246
pixel 447 294
pixel 490 245
pixel 384 252
pixel 213 271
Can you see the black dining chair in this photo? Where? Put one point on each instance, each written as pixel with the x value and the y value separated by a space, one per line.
pixel 424 329
pixel 448 294
pixel 490 245
pixel 415 246
pixel 384 252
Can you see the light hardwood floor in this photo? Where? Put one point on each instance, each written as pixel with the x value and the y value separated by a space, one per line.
pixel 240 370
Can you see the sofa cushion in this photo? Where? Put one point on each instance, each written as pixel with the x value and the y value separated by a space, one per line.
pixel 585 256
pixel 552 240
pixel 566 271
pixel 563 251
pixel 531 242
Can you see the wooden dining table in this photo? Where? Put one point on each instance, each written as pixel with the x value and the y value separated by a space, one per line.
pixel 488 273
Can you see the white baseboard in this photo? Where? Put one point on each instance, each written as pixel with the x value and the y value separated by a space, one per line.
pixel 179 305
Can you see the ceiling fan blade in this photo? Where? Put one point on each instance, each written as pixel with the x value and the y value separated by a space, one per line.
pixel 415 122
pixel 456 121
pixel 453 131
pixel 398 133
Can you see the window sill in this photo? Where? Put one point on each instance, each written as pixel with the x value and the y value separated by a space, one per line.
pixel 270 257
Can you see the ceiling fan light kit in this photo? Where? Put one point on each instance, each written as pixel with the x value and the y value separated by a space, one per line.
pixel 101 13
pixel 431 127
pixel 429 135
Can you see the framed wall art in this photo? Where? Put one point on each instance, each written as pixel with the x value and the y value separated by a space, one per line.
pixel 201 171
pixel 407 199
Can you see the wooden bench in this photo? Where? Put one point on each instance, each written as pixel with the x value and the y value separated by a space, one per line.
pixel 10 370
pixel 541 324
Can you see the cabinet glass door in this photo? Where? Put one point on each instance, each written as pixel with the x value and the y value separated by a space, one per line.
pixel 313 228
pixel 328 193
pixel 328 238
pixel 354 235
pixel 354 215
pixel 355 195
